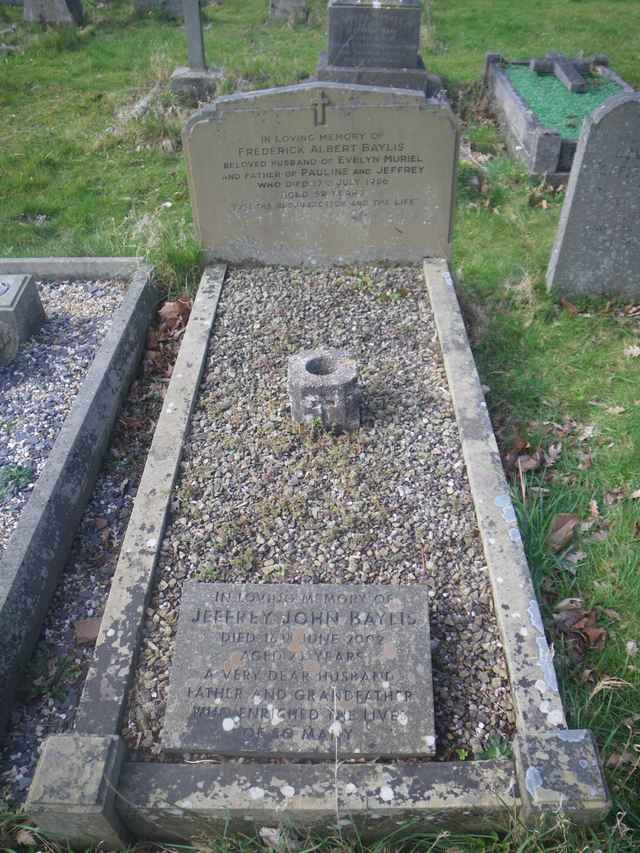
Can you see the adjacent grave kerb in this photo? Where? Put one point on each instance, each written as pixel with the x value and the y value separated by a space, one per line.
pixel 597 246
pixel 545 152
pixel 38 548
pixel 322 173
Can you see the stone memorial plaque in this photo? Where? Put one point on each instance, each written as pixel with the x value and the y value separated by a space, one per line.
pixel 323 173
pixel 375 34
pixel 597 245
pixel 305 670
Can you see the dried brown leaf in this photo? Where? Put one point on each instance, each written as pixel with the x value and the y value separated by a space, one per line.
pixel 569 307
pixel 561 531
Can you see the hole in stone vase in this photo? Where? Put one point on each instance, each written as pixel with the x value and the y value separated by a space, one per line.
pixel 322 365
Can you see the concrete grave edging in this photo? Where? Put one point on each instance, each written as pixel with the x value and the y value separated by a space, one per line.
pixel 105 691
pixel 540 718
pixel 39 546
pixel 175 801
pixel 544 152
pixel 73 268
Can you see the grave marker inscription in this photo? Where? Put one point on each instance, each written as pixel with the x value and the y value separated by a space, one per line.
pixel 290 669
pixel 323 173
pixel 597 245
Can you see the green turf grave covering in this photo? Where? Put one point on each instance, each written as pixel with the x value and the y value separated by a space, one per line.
pixel 554 105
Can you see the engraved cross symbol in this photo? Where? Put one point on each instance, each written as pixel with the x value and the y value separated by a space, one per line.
pixel 322 106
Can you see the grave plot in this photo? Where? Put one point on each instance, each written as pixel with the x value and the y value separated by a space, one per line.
pixel 61 386
pixel 262 499
pixel 306 617
pixel 542 103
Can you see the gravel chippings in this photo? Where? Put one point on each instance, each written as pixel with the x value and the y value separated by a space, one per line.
pixel 38 388
pixel 261 499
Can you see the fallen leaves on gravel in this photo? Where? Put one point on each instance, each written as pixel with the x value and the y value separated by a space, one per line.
pixel 561 531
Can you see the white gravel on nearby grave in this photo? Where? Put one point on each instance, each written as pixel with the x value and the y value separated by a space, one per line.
pixel 259 499
pixel 38 388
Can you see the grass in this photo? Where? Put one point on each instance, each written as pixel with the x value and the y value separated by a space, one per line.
pixel 77 179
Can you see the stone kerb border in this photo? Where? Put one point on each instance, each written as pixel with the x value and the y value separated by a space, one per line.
pixel 543 151
pixel 554 769
pixel 39 546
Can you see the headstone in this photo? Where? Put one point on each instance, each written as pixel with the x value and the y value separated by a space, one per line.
pixel 323 173
pixel 53 12
pixel 169 8
pixel 21 313
pixel 307 670
pixel 374 34
pixel 373 43
pixel 293 11
pixel 597 245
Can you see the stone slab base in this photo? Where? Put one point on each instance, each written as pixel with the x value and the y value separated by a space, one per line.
pixel 397 78
pixel 171 802
pixel 40 544
pixel 194 85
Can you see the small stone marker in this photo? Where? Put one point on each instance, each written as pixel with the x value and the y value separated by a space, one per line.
pixel 195 82
pixel 293 11
pixel 21 313
pixel 323 383
pixel 53 12
pixel 323 173
pixel 597 245
pixel 291 669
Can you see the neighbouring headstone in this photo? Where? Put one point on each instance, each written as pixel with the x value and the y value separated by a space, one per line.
pixel 376 43
pixel 68 12
pixel 597 245
pixel 305 670
pixel 169 8
pixel 323 173
pixel 293 11
pixel 196 82
pixel 21 313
